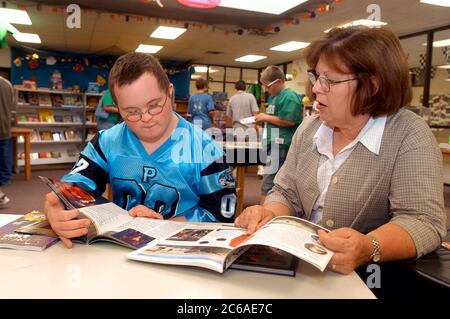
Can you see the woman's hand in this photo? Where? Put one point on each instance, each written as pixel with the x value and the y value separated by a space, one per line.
pixel 351 249
pixel 254 217
pixel 143 211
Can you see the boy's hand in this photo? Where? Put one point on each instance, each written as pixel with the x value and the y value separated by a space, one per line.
pixel 143 211
pixel 64 222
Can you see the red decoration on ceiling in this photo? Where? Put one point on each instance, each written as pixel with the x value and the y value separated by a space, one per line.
pixel 200 4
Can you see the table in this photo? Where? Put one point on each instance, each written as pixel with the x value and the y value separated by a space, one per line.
pixel 242 154
pixel 26 133
pixel 102 271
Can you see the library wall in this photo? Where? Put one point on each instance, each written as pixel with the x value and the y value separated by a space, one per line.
pixel 5 58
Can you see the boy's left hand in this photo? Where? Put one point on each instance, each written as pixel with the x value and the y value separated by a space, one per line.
pixel 143 211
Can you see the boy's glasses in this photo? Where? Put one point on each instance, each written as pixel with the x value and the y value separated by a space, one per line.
pixel 152 109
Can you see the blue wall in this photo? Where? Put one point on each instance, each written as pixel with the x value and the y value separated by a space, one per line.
pixel 97 66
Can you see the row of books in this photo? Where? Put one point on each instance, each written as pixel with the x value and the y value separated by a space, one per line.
pixel 72 153
pixel 47 116
pixel 47 99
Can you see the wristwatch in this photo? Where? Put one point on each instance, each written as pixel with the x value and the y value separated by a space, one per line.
pixel 376 249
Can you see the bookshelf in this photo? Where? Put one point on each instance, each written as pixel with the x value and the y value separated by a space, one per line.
pixel 61 122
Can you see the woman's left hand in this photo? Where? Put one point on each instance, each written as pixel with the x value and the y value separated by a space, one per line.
pixel 351 249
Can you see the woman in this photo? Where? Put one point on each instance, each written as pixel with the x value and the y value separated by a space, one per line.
pixel 365 168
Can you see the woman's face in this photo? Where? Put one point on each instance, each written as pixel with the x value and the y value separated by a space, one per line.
pixel 334 105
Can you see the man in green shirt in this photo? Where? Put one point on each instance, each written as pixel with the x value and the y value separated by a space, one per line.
pixel 107 114
pixel 282 117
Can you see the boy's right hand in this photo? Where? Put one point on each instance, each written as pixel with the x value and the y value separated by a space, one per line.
pixel 64 222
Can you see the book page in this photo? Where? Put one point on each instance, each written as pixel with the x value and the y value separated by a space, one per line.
pixel 209 245
pixel 295 236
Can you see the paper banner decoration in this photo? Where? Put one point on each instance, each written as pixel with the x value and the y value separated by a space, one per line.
pixel 33 64
pixel 101 80
pixel 78 68
pixel 50 60
pixel 18 62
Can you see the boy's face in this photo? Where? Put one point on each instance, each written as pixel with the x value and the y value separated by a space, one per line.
pixel 138 97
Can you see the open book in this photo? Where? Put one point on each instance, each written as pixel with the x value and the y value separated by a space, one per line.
pixel 210 245
pixel 216 247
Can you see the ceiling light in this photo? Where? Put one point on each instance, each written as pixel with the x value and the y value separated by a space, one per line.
pixel 14 16
pixel 441 43
pixel 290 46
pixel 145 48
pixel 444 3
pixel 170 33
pixel 445 66
pixel 250 58
pixel 264 6
pixel 27 37
pixel 365 22
pixel 195 76
pixel 9 27
pixel 203 69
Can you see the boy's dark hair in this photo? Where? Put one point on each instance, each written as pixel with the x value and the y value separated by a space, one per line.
pixel 131 66
pixel 240 85
pixel 201 84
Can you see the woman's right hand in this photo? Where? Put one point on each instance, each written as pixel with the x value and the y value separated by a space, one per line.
pixel 254 217
pixel 64 222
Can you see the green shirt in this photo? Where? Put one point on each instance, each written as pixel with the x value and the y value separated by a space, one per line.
pixel 286 106
pixel 108 101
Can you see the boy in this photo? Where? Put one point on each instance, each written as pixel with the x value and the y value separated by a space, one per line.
pixel 159 166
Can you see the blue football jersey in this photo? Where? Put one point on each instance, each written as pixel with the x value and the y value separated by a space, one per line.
pixel 186 176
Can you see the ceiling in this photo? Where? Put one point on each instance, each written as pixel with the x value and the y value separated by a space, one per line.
pixel 105 28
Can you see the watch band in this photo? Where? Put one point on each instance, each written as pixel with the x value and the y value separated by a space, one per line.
pixel 376 252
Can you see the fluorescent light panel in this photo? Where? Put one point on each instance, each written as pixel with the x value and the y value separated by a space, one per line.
pixel 439 44
pixel 443 3
pixel 264 6
pixel 446 66
pixel 366 22
pixel 170 33
pixel 14 16
pixel 27 37
pixel 290 46
pixel 145 48
pixel 250 58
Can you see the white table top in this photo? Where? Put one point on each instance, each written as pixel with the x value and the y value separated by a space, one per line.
pixel 102 271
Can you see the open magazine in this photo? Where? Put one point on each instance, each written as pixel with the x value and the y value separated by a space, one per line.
pixel 210 245
pixel 216 247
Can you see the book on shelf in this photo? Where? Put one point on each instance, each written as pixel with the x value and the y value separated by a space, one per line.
pixel 44 99
pixel 57 100
pixel 44 155
pixel 46 135
pixel 73 152
pixel 10 238
pixel 46 116
pixel 34 156
pixel 90 118
pixel 57 136
pixel 58 118
pixel 70 134
pixel 72 100
pixel 21 99
pixel 32 98
pixel 76 118
pixel 32 117
pixel 34 136
pixel 214 246
pixel 55 154
pixel 92 101
pixel 67 118
pixel 22 118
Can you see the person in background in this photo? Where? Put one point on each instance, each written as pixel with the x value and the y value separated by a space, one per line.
pixel 241 105
pixel 365 167
pixel 158 165
pixel 7 105
pixel 201 106
pixel 107 114
pixel 282 117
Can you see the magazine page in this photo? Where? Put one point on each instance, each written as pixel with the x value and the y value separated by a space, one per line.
pixel 211 246
pixel 296 236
